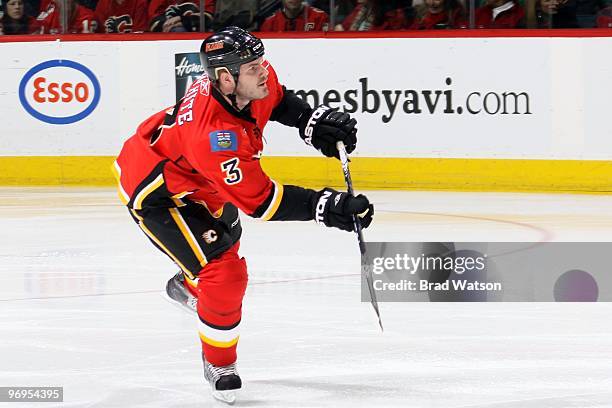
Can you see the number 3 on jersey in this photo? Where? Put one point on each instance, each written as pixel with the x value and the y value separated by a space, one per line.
pixel 232 171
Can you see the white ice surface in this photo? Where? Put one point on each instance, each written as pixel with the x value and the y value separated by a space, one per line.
pixel 80 307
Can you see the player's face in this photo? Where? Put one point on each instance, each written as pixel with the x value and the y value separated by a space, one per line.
pixel 252 80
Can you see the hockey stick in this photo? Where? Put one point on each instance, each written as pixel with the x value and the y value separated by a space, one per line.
pixel 367 273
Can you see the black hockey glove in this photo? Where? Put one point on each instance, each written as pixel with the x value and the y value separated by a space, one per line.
pixel 336 209
pixel 326 126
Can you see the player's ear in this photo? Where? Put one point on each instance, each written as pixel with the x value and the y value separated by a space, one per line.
pixel 226 80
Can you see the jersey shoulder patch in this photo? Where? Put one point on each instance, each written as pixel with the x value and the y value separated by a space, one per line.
pixel 223 141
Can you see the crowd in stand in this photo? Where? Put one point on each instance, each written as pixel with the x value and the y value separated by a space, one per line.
pixel 124 16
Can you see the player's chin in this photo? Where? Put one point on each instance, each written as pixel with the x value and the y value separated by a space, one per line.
pixel 262 91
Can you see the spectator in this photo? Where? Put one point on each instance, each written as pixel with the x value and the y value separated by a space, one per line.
pixel 15 21
pixel 241 13
pixel 296 16
pixel 587 12
pixel 440 14
pixel 604 18
pixel 556 14
pixel 178 15
pixel 500 14
pixel 265 9
pixel 373 15
pixel 32 7
pixel 342 8
pixel 81 20
pixel 90 4
pixel 122 16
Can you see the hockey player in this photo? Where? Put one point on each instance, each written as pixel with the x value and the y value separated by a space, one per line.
pixel 188 169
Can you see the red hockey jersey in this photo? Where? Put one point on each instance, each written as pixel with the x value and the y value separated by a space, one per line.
pixel 82 20
pixel 310 19
pixel 202 149
pixel 129 16
pixel 508 15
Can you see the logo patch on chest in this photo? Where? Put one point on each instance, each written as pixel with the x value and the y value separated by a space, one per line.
pixel 223 140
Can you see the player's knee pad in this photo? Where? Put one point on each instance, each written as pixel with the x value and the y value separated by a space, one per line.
pixel 235 273
pixel 224 279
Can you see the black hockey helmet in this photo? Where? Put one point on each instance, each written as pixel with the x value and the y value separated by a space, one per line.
pixel 229 48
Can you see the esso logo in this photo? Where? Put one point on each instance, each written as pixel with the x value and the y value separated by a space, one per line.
pixel 59 92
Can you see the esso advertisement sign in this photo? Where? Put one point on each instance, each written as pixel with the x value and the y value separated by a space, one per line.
pixel 59 92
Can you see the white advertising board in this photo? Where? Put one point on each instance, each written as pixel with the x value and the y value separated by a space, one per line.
pixel 540 98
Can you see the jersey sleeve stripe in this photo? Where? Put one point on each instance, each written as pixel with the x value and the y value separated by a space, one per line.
pixel 274 204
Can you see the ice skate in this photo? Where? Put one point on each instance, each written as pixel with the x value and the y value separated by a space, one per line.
pixel 177 293
pixel 223 380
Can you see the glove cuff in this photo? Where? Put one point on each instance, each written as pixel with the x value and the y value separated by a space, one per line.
pixel 309 122
pixel 328 201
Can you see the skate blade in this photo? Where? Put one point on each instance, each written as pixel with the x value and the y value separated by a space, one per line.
pixel 179 305
pixel 228 397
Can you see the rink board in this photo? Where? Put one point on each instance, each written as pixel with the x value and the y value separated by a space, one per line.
pixel 577 176
pixel 522 114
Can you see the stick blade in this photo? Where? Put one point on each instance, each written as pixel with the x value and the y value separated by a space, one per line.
pixel 367 273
